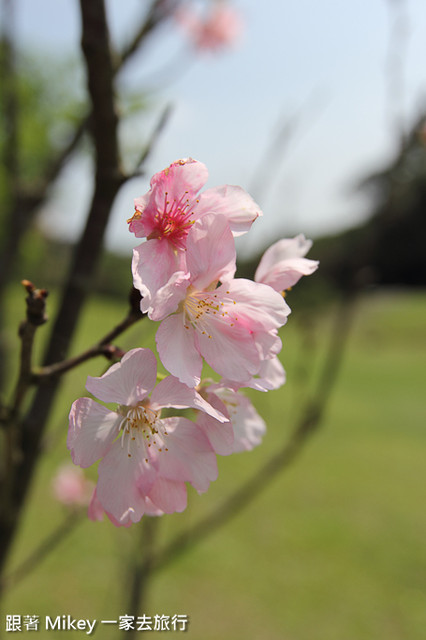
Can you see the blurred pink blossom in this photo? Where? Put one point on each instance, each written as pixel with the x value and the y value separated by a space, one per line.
pixel 220 28
pixel 71 487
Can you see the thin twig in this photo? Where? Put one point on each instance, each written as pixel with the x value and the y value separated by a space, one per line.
pixel 102 348
pixel 36 306
pixel 164 118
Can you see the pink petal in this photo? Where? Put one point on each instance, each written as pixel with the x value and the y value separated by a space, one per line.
pixel 210 251
pixel 92 430
pixel 170 392
pixel 167 298
pixel 268 343
pixel 249 427
pixel 168 495
pixel 154 264
pixel 189 457
pixel 121 474
pixel 283 264
pixel 175 344
pixel 271 375
pixel 141 225
pixel 229 350
pixel 233 202
pixel 260 305
pixel 126 382
pixel 95 510
pixel 220 436
pixel 185 176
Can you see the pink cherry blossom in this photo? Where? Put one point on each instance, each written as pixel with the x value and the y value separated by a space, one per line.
pixel 145 460
pixel 166 214
pixel 71 487
pixel 220 28
pixel 245 428
pixel 283 264
pixel 232 326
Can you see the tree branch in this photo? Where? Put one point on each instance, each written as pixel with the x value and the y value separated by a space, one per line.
pixel 95 45
pixel 101 348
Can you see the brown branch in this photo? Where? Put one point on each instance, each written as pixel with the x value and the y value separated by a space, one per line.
pixel 101 348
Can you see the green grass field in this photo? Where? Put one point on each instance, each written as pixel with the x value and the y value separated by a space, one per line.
pixel 333 549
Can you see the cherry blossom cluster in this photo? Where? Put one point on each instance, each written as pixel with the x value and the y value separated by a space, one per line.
pixel 185 271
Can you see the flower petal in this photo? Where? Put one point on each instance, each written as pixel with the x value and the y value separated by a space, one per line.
pixel 168 495
pixel 92 430
pixel 220 436
pixel 154 264
pixel 170 392
pixel 183 177
pixel 283 264
pixel 210 251
pixel 176 348
pixel 271 375
pixel 167 298
pixel 229 350
pixel 248 426
pixel 121 476
pixel 141 224
pixel 260 305
pixel 190 457
pixel 126 382
pixel 233 202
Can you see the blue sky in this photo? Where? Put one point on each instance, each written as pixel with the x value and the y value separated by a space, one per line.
pixel 325 66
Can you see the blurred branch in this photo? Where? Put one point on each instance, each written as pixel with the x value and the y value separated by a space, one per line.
pixel 44 548
pixel 164 118
pixel 139 570
pixel 158 11
pixel 308 423
pixel 279 145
